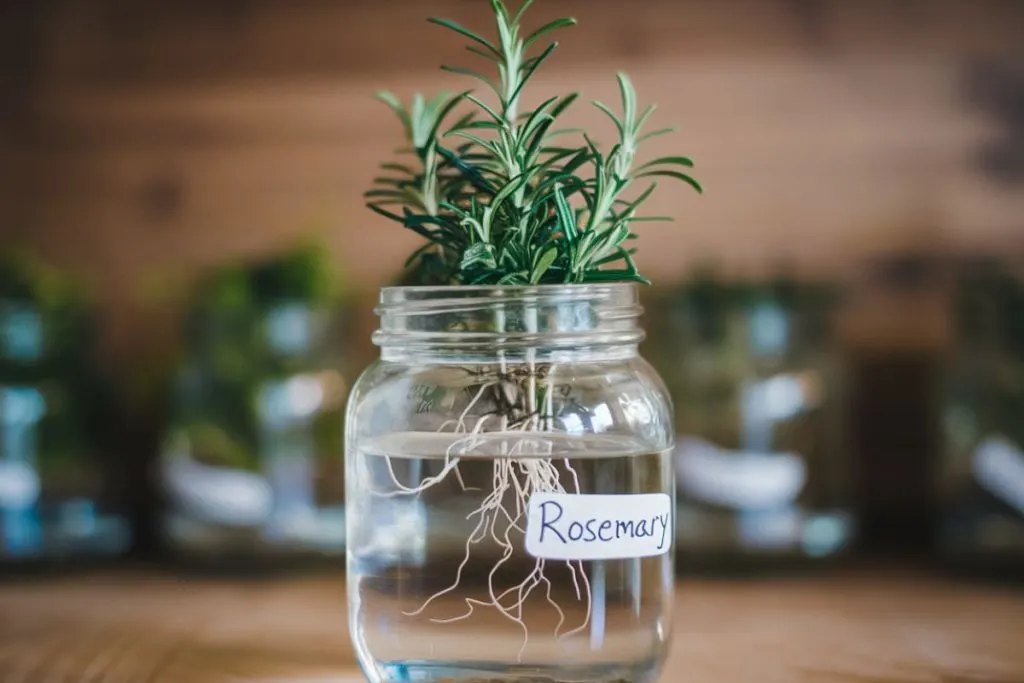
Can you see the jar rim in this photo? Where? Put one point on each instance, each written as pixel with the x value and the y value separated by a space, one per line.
pixel 535 319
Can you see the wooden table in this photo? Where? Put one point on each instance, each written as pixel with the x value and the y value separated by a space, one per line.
pixel 849 629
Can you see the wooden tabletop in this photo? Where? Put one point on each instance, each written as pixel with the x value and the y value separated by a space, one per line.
pixel 850 629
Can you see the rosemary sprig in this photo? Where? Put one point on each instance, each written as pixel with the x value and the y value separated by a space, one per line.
pixel 495 196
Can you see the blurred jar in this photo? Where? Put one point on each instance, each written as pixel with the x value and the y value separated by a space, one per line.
pixel 251 466
pixel 981 482
pixel 59 497
pixel 763 475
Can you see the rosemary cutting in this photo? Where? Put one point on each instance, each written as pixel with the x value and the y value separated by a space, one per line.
pixel 497 198
pixel 503 197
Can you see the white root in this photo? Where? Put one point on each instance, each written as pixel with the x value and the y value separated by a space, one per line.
pixel 516 475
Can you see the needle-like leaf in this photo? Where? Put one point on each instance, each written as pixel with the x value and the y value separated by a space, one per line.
pixel 466 32
pixel 506 204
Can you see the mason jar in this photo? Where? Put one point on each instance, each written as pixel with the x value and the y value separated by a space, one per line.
pixel 249 466
pixel 981 472
pixel 60 501
pixel 763 473
pixel 510 489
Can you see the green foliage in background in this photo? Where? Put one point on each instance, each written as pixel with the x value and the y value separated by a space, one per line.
pixel 699 341
pixel 230 355
pixel 502 195
pixel 701 307
pixel 987 377
pixel 42 302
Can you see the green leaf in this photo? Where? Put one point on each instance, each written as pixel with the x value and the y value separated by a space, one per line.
pixel 505 39
pixel 472 174
pixel 536 118
pixel 386 214
pixel 486 80
pixel 539 135
pixel 642 121
pixel 621 254
pixel 396 106
pixel 652 219
pixel 577 161
pixel 486 107
pixel 475 125
pixel 564 104
pixel 547 28
pixel 399 168
pixel 517 278
pixel 615 119
pixel 570 185
pixel 420 230
pixel 613 276
pixel 566 218
pixel 480 254
pixel 628 99
pixel 655 134
pixel 487 55
pixel 529 70
pixel 500 10
pixel 673 174
pixel 643 197
pixel 439 119
pixel 465 32
pixel 398 182
pixel 476 139
pixel 543 264
pixel 551 135
pixel 510 188
pixel 389 194
pixel 661 161
pixel 522 10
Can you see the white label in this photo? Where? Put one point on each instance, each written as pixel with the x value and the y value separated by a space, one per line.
pixel 565 526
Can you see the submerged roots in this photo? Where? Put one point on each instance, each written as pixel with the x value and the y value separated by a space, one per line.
pixel 519 472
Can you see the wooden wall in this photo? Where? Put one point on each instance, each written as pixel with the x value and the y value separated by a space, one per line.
pixel 144 139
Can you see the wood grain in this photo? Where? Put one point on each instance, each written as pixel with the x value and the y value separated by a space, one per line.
pixel 155 139
pixel 103 42
pixel 849 629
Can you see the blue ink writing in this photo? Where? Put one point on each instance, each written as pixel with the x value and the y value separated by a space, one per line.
pixel 600 530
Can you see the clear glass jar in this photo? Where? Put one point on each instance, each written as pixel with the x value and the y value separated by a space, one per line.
pixel 249 466
pixel 763 474
pixel 510 489
pixel 59 498
pixel 981 476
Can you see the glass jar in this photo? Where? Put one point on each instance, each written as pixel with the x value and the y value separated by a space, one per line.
pixel 249 468
pixel 510 489
pixel 59 499
pixel 981 477
pixel 763 476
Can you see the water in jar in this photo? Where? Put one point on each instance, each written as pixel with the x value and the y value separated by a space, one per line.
pixel 435 539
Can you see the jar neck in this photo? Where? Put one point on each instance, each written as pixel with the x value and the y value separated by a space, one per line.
pixel 488 324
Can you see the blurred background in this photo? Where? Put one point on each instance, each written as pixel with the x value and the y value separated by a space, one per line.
pixel 840 317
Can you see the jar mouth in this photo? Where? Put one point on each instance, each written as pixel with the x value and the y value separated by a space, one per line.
pixel 538 320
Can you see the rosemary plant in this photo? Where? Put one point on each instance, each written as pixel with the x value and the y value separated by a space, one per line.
pixel 502 197
pixel 496 196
